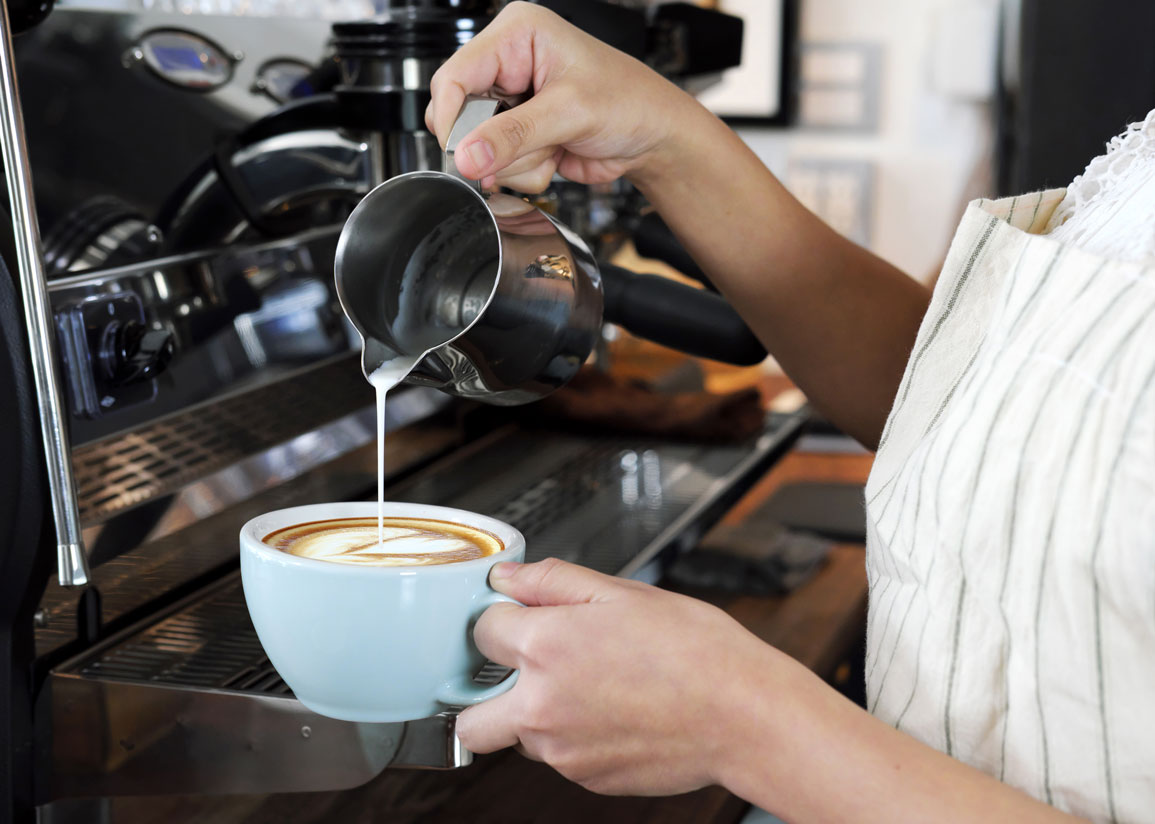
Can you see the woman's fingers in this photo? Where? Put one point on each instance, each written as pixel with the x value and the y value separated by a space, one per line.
pixel 532 173
pixel 604 113
pixel 539 125
pixel 489 726
pixel 552 583
pixel 511 634
pixel 500 59
pixel 500 633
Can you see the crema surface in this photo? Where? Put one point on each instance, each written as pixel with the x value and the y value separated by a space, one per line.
pixel 403 541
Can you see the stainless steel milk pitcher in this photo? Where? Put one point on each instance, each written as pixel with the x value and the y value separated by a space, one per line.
pixel 497 300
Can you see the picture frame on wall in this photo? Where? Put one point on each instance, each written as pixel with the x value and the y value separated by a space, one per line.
pixel 759 91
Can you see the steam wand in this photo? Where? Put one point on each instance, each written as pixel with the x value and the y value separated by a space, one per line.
pixel 72 564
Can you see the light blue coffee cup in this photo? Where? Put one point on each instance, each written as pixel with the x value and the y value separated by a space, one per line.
pixel 373 644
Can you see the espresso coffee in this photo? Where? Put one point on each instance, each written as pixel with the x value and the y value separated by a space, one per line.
pixel 386 542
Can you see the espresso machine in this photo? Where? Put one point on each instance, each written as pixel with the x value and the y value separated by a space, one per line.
pixel 177 361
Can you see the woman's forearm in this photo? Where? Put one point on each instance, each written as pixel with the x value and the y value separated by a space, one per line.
pixel 839 320
pixel 821 758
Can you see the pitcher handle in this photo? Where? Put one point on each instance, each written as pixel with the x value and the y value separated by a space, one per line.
pixel 474 111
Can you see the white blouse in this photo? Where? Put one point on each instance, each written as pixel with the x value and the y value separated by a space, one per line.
pixel 1110 208
pixel 1011 513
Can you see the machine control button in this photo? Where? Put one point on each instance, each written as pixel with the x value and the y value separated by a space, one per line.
pixel 184 59
pixel 131 352
pixel 109 353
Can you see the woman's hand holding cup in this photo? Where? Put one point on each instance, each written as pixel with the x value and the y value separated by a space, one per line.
pixel 624 688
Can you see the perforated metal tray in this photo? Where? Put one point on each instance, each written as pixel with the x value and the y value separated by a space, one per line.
pixel 158 459
pixel 609 503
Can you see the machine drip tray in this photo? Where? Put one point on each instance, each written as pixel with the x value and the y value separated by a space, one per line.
pixel 187 702
pixel 190 704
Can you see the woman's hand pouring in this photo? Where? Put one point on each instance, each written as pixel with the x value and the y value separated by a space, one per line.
pixel 594 114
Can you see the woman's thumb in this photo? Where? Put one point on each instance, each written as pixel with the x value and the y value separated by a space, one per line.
pixel 549 583
pixel 495 144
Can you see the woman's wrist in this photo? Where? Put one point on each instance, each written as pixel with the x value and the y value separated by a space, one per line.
pixel 797 754
pixel 689 129
pixel 763 722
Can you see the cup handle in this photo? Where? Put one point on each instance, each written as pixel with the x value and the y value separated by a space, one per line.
pixel 465 692
pixel 474 111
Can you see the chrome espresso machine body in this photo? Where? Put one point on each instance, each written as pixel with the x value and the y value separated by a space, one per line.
pixel 191 174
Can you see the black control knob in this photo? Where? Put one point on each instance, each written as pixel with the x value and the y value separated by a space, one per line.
pixel 131 352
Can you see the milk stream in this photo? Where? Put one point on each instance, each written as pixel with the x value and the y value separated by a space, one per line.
pixel 384 378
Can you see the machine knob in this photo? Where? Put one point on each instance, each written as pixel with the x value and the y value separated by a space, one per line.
pixel 131 352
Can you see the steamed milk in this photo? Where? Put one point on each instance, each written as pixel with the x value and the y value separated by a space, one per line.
pixel 384 378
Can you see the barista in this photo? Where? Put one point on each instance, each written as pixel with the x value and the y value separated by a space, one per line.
pixel 1011 646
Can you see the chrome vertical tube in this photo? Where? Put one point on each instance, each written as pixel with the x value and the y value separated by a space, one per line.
pixel 72 565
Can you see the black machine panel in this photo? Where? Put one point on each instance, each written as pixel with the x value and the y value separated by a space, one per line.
pixel 1086 70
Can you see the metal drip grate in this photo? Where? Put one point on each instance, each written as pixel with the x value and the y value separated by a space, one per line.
pixel 609 504
pixel 600 502
pixel 210 644
pixel 578 480
pixel 159 459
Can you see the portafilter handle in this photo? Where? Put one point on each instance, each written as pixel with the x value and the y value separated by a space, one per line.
pixel 691 320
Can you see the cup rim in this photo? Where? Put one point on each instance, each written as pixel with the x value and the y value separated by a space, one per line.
pixel 250 539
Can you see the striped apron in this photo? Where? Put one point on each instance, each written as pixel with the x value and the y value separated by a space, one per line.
pixel 1011 520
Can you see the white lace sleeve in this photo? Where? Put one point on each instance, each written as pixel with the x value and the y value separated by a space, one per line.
pixel 1110 208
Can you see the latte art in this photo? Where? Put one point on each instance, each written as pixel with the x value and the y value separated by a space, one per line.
pixel 403 541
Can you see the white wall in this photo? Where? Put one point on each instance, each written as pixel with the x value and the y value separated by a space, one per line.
pixel 931 150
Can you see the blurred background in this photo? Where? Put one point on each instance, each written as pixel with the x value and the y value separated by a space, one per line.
pixel 904 110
